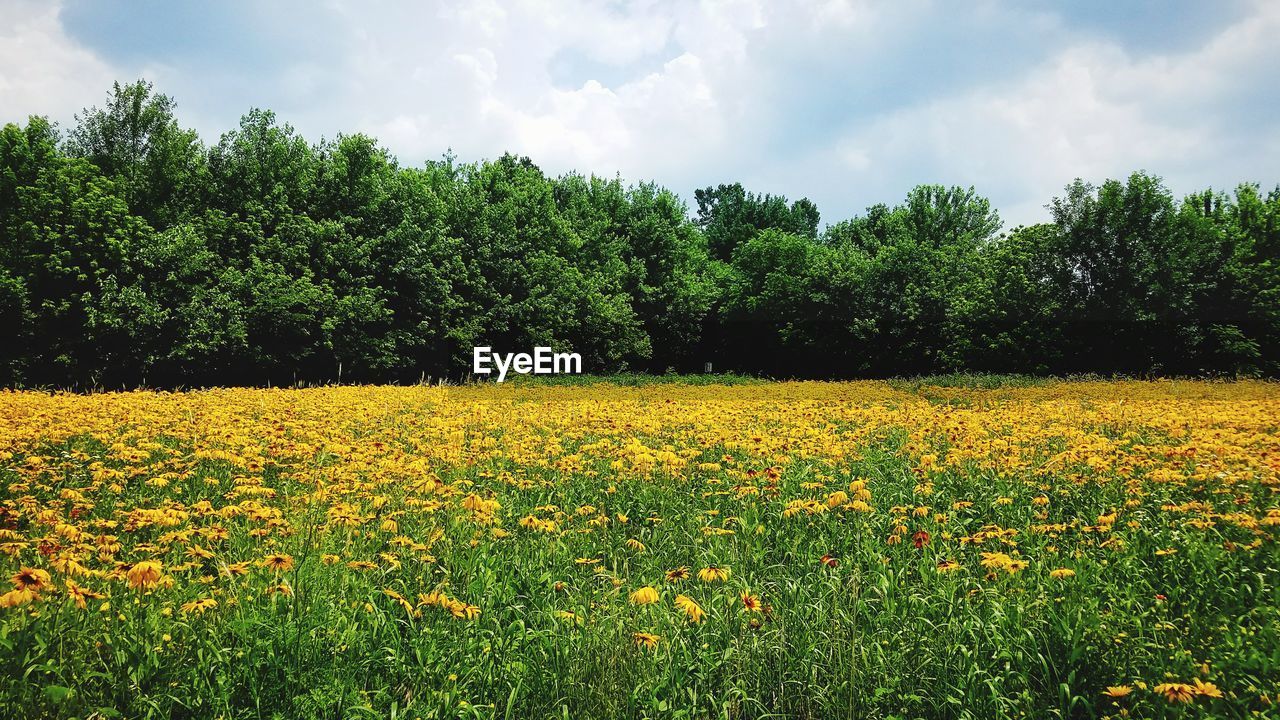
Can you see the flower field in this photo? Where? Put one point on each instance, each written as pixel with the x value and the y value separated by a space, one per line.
pixel 761 550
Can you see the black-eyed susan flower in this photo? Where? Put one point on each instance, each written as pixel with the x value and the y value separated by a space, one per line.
pixel 645 639
pixel 646 595
pixel 277 562
pixel 713 573
pixel 1206 689
pixel 145 575
pixel 1117 691
pixel 18 597
pixel 1175 692
pixel 947 566
pixel 281 588
pixel 199 606
pixel 690 608
pixel 79 594
pixel 30 579
pixel 198 553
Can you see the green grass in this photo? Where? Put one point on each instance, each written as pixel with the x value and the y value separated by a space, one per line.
pixel 970 381
pixel 881 635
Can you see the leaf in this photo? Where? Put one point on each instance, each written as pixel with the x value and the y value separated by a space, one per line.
pixel 58 694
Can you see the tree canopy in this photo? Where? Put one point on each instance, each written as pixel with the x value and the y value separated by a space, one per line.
pixel 131 253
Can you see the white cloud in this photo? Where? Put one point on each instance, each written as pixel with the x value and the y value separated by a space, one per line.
pixel 42 71
pixel 494 93
pixel 1091 112
pixel 846 101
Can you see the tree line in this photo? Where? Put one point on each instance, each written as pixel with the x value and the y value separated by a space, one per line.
pixel 131 253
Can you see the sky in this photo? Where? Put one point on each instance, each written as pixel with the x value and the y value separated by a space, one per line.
pixel 848 103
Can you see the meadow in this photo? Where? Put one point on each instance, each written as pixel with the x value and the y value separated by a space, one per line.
pixel 667 550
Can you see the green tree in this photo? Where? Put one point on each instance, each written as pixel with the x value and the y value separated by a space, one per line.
pixel 912 260
pixel 136 141
pixel 67 233
pixel 729 216
pixel 1008 312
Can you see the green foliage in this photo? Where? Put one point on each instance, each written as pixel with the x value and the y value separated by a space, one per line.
pixel 1155 286
pixel 132 254
pixel 729 216
pixel 136 141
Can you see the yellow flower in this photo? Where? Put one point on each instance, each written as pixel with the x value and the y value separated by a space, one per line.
pixel 677 574
pixel 145 575
pixel 30 579
pixel 199 606
pixel 402 601
pixel 751 603
pixel 689 607
pixel 995 560
pixel 463 611
pixel 644 596
pixel 1117 691
pixel 18 597
pixel 645 640
pixel 1176 692
pixel 713 574
pixel 1207 689
pixel 199 553
pixel 431 599
pixel 277 562
pixel 1062 573
pixel 946 566
pixel 68 564
pixel 80 594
